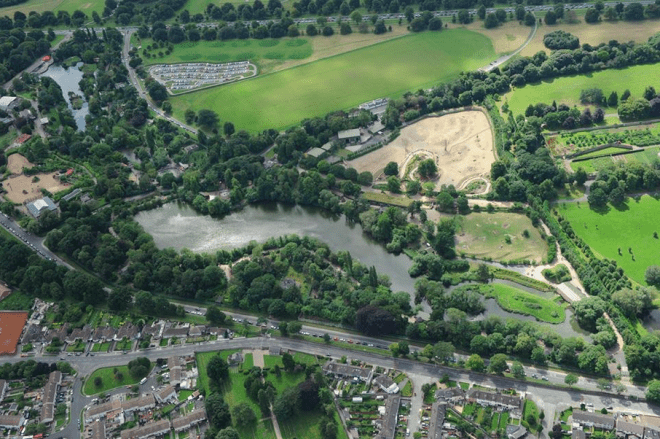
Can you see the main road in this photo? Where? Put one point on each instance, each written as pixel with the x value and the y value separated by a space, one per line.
pixel 547 396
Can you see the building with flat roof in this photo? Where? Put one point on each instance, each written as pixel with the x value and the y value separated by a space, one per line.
pixel 38 207
pixel 515 431
pixel 11 327
pixel 578 434
pixel 606 422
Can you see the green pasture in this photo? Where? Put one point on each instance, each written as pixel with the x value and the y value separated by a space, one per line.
pixel 16 301
pixel 522 302
pixel 86 6
pixel 231 51
pixel 391 68
pixel 628 227
pixel 566 90
pixel 484 235
pixel 107 375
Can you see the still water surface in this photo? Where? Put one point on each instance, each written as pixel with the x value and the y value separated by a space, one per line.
pixel 68 80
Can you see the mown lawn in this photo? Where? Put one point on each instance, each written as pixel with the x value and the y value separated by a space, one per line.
pixel 305 426
pixel 499 236
pixel 567 90
pixel 86 6
pixel 629 228
pixel 522 302
pixel 108 379
pixel 391 68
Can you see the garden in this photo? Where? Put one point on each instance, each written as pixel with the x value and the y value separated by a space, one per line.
pixel 646 156
pixel 574 142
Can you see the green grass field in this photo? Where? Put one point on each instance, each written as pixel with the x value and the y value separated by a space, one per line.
pixel 86 6
pixel 306 426
pixel 483 235
pixel 630 227
pixel 522 302
pixel 391 68
pixel 231 51
pixel 567 90
pixel 109 382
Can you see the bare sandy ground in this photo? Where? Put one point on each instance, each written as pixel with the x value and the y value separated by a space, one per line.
pixel 16 163
pixel 461 145
pixel 21 188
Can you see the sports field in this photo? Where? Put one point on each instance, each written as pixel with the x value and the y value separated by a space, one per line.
pixel 279 100
pixel 499 236
pixel 86 6
pixel 631 228
pixel 566 90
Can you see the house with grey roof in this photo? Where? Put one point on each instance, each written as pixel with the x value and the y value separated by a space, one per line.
pixel 345 371
pixel 454 395
pixel 629 430
pixel 493 399
pixel 438 412
pixel 388 425
pixel 605 422
pixel 386 384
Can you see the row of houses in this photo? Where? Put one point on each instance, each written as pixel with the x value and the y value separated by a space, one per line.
pixel 50 393
pixel 162 427
pixel 159 330
pixel 624 429
pixel 501 401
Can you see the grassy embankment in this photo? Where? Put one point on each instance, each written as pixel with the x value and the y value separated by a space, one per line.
pixel 390 68
pixel 109 379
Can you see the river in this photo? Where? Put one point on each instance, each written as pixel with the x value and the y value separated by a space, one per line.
pixel 178 226
pixel 68 80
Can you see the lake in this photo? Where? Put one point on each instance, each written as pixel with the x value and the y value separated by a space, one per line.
pixel 68 80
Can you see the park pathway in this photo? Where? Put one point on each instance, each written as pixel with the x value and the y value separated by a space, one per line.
pixel 501 60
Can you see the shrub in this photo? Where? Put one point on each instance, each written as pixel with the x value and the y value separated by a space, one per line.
pixel 560 39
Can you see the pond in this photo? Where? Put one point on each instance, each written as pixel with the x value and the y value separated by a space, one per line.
pixel 568 328
pixel 179 226
pixel 68 80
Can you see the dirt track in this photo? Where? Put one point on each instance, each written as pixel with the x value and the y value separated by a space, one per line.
pixel 21 188
pixel 16 163
pixel 461 145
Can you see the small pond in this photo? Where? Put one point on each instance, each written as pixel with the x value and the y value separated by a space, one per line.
pixel 68 79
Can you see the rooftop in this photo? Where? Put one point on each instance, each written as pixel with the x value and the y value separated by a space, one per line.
pixel 37 207
pixel 348 134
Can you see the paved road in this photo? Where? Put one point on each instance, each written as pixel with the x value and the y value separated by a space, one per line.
pixel 501 60
pixel 136 83
pixel 34 242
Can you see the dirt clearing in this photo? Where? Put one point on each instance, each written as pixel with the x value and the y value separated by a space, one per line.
pixel 16 163
pixel 24 187
pixel 461 145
